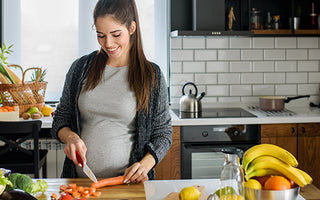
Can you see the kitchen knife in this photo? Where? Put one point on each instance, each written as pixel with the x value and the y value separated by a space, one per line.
pixel 85 168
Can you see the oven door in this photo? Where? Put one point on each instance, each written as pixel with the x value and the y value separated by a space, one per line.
pixel 204 161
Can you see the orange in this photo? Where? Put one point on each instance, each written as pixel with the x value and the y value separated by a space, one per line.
pixel 277 183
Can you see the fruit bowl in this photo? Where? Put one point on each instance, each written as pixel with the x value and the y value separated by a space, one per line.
pixel 252 194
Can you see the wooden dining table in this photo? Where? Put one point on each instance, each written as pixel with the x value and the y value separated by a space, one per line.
pixel 134 191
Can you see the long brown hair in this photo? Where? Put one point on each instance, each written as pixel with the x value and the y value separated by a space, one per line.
pixel 140 77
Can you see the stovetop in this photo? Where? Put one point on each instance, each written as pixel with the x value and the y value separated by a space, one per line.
pixel 215 113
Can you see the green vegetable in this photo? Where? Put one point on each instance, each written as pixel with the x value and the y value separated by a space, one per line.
pixel 6 73
pixel 3 51
pixel 24 182
pixel 4 182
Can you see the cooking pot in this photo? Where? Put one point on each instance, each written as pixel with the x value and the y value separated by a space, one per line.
pixel 190 104
pixel 276 103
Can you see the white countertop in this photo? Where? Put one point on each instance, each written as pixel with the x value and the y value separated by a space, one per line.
pixel 159 189
pixel 303 114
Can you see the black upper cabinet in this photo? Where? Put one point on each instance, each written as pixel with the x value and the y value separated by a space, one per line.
pixel 185 20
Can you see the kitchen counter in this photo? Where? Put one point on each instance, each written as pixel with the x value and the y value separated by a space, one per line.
pixel 153 190
pixel 302 114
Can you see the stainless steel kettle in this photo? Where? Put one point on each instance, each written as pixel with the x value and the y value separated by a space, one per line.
pixel 190 103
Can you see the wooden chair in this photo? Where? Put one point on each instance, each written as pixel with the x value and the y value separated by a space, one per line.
pixel 16 158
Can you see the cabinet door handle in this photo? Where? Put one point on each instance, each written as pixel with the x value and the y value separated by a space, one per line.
pixel 293 130
pixel 303 129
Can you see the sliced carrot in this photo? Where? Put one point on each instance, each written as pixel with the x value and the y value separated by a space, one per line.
pixel 108 182
pixel 96 194
pixel 76 194
pixel 72 186
pixel 68 190
pixel 80 189
pixel 54 196
pixel 63 187
pixel 85 195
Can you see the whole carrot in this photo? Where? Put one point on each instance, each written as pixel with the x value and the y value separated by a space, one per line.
pixel 108 182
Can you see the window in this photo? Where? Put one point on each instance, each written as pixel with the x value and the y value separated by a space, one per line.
pixel 53 33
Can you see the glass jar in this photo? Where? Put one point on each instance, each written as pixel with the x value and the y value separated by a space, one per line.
pixel 276 22
pixel 232 176
pixel 255 19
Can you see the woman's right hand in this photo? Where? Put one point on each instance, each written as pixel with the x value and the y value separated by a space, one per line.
pixel 73 143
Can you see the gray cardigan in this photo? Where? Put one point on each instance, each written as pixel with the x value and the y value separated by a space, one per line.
pixel 153 130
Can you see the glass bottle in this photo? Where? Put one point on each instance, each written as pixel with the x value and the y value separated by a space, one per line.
pixel 232 176
pixel 268 23
pixel 255 19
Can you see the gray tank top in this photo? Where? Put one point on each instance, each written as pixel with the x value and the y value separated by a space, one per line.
pixel 107 119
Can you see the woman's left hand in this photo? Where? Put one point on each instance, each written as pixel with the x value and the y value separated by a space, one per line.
pixel 136 173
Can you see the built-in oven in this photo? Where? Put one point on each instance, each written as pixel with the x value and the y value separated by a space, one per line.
pixel 201 145
pixel 201 155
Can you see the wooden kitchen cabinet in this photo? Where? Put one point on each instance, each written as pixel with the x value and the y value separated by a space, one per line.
pixel 302 140
pixel 169 167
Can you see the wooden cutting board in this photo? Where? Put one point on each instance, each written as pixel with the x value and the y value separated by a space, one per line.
pixel 117 192
pixel 175 195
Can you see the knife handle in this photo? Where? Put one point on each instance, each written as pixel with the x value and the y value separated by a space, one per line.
pixel 79 158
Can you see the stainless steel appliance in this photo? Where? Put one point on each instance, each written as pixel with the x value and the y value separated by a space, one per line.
pixel 201 146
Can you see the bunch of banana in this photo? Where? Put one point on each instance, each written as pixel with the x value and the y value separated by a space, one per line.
pixel 269 159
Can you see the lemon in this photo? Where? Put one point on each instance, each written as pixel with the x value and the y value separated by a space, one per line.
pixel 33 110
pixel 46 110
pixel 225 190
pixel 189 193
pixel 252 183
pixel 231 197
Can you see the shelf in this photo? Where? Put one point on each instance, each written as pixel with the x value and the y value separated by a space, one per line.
pixel 272 32
pixel 307 32
pixel 177 33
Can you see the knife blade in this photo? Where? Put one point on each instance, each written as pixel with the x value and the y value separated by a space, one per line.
pixel 86 169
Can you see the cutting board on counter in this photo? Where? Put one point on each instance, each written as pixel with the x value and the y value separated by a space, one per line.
pixel 175 195
pixel 117 192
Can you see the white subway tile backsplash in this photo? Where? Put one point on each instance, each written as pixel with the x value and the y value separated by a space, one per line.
pixel 176 43
pixel 271 78
pixel 190 67
pixel 206 55
pixel 228 54
pixel 308 42
pixel 240 90
pixel 263 42
pixel 263 66
pixel 240 66
pixel 231 78
pixel 218 90
pixel 285 66
pixel 297 77
pixel 308 89
pixel 180 79
pixel 289 89
pixel 285 42
pixel 240 42
pixel 308 66
pixel 193 43
pixel 256 54
pixel 176 67
pixel 181 55
pixel 297 54
pixel 233 69
pixel 206 78
pixel 314 77
pixel 217 66
pixel 262 90
pixel 274 54
pixel 314 54
pixel 251 78
pixel 217 42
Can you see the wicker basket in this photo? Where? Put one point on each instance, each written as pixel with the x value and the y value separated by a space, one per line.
pixel 25 94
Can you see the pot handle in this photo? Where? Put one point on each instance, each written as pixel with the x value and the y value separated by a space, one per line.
pixel 287 100
pixel 190 83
